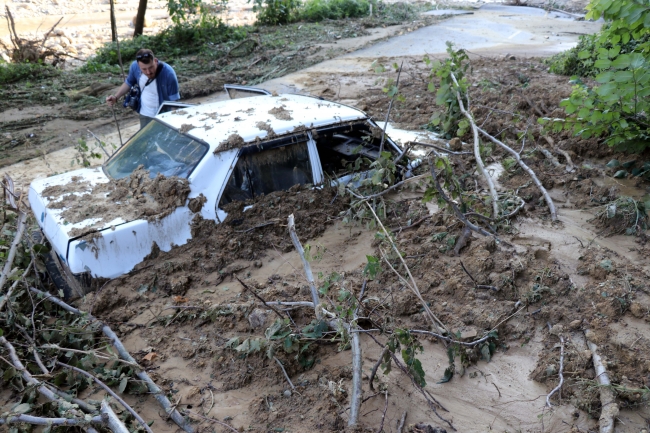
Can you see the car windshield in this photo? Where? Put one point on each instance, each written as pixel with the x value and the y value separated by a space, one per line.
pixel 160 149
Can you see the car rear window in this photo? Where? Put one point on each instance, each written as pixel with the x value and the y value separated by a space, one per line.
pixel 160 149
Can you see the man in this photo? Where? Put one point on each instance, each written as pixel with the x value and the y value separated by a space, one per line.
pixel 157 81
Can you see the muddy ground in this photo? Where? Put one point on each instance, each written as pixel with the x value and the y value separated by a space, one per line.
pixel 185 315
pixel 550 280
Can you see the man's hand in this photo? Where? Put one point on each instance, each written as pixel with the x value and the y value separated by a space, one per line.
pixel 111 100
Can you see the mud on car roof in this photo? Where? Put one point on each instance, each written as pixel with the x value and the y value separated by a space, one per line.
pixel 257 118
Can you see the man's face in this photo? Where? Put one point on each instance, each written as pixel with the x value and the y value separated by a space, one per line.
pixel 149 69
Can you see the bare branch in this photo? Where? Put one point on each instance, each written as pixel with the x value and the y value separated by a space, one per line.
pixel 307 266
pixel 286 376
pixel 607 399
pixel 559 385
pixel 112 420
pixel 36 420
pixel 20 229
pixel 477 151
pixel 108 389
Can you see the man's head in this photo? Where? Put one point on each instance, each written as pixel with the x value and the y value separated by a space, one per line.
pixel 147 62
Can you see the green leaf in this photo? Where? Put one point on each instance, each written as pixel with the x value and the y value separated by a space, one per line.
pixel 123 383
pixel 22 408
pixel 602 63
pixel 485 352
pixel 621 62
pixel 449 373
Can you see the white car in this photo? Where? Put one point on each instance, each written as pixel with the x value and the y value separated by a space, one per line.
pixel 214 154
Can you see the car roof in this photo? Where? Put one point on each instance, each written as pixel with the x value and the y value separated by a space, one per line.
pixel 281 114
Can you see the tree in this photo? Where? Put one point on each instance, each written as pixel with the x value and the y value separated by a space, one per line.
pixel 139 20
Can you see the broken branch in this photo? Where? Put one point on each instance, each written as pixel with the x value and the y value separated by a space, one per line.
pixel 111 419
pixel 355 345
pixel 286 376
pixel 307 266
pixel 531 173
pixel 124 354
pixel 477 151
pixel 36 420
pixel 607 399
pixel 390 106
pixel 124 404
pixel 20 229
pixel 275 310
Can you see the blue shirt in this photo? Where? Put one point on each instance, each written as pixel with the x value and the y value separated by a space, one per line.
pixel 166 81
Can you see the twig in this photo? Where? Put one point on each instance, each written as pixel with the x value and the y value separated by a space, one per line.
pixel 37 420
pixel 124 354
pixel 223 424
pixel 430 400
pixel 478 286
pixel 373 373
pixel 307 267
pixel 609 407
pixel 100 143
pixel 441 149
pixel 286 376
pixel 400 426
pixel 27 377
pixel 112 420
pixel 355 345
pixel 20 229
pixel 559 385
pixel 142 422
pixel 547 153
pixel 390 188
pixel 14 285
pixel 477 150
pixel 86 407
pixel 531 173
pixel 275 310
pixel 37 357
pixel 88 352
pixel 454 207
pixel 383 415
pixel 390 106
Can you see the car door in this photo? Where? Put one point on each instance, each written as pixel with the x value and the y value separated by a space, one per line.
pixel 235 91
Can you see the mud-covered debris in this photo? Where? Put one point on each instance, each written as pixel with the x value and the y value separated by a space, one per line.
pixel 186 127
pixel 263 126
pixel 281 113
pixel 131 198
pixel 196 203
pixel 455 144
pixel 234 141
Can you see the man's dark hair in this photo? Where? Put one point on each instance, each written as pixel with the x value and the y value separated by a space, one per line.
pixel 144 55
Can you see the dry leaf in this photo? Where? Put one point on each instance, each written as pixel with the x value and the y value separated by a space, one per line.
pixel 179 300
pixel 150 356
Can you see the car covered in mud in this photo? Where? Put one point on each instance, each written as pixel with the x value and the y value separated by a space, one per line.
pixel 188 163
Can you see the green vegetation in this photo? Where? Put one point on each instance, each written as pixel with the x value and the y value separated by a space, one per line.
pixel 13 72
pixel 617 107
pixel 318 10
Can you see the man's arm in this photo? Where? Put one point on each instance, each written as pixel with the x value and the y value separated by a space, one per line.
pixel 112 99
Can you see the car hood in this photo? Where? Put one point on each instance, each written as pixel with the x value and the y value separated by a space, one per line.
pixel 49 198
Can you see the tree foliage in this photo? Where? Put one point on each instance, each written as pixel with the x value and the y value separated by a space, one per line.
pixel 617 107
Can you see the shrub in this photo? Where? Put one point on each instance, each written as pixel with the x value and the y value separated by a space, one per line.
pixel 274 12
pixel 617 108
pixel 179 39
pixel 319 10
pixel 12 72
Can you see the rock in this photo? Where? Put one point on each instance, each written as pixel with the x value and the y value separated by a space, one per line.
pixel 637 310
pixel 179 285
pixel 557 329
pixel 575 325
pixel 259 318
pixel 607 265
pixel 551 370
pixel 287 393
pixel 620 174
pixel 455 144
pixel 258 264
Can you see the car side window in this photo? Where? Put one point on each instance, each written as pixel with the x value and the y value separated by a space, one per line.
pixel 266 171
pixel 346 149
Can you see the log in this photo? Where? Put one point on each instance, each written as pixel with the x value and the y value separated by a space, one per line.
pixel 609 409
